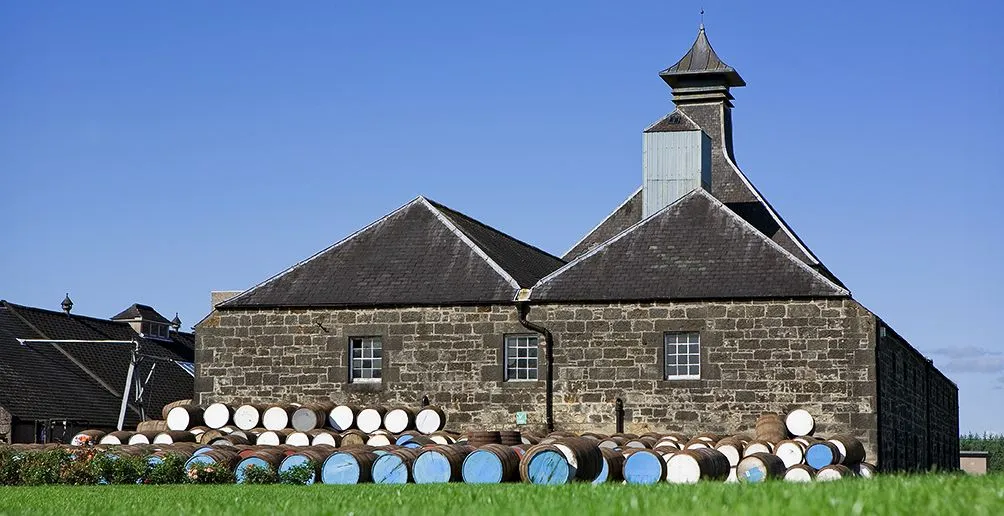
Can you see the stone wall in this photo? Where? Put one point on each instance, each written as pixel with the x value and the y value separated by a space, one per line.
pixel 756 357
pixel 919 410
pixel 5 426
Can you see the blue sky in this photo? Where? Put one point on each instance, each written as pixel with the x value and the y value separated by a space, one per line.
pixel 152 153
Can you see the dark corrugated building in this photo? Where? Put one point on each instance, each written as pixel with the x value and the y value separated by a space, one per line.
pixel 61 373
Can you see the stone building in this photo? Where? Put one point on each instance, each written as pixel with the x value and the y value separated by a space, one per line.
pixel 693 303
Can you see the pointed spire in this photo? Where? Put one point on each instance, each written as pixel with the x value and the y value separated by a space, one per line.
pixel 176 322
pixel 67 304
pixel 700 75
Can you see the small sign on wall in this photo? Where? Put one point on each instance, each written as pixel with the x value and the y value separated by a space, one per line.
pixel 521 418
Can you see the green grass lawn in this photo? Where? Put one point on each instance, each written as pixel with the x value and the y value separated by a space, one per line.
pixel 931 494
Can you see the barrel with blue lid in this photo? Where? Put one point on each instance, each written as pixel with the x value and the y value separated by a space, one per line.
pixel 269 459
pixel 613 466
pixel 440 464
pixel 545 464
pixel 491 464
pixel 642 466
pixel 394 467
pixel 822 454
pixel 348 467
pixel 312 457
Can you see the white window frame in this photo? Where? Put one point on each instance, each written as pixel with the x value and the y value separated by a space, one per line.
pixel 524 341
pixel 686 356
pixel 367 352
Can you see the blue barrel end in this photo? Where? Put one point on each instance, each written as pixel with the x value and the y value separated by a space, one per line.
pixel 549 467
pixel 197 459
pixel 403 439
pixel 240 471
pixel 643 468
pixel 293 461
pixel 604 473
pixel 431 468
pixel 341 469
pixel 482 467
pixel 390 469
pixel 755 475
pixel 819 456
pixel 412 444
pixel 378 452
pixel 153 460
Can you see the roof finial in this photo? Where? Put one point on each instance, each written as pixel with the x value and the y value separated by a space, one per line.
pixel 702 18
pixel 67 304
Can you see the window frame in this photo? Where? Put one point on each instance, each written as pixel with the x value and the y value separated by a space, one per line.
pixel 536 357
pixel 351 359
pixel 676 354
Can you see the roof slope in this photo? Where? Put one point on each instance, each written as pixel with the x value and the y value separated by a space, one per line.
pixel 421 254
pixel 524 262
pixel 40 382
pixel 695 248
pixel 623 217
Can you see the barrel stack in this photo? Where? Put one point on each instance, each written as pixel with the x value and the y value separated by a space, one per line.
pixel 346 444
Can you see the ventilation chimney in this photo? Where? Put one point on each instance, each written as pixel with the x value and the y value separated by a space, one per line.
pixel 676 159
pixel 701 84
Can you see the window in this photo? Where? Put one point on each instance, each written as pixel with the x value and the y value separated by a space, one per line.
pixel 367 359
pixel 520 357
pixel 683 355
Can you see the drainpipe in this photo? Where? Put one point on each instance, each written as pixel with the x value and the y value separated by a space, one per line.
pixel 523 310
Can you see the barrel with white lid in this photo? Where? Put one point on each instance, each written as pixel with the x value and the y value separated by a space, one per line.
pixel 732 449
pixel 430 419
pixel 800 473
pixel 791 452
pixel 399 419
pixel 218 415
pixel 690 466
pixel 370 419
pixel 850 448
pixel 800 422
pixel 247 417
pixel 343 417
pixel 834 472
pixel 277 417
pixel 184 417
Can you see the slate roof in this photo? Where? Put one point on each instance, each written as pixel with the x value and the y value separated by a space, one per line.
pixel 701 59
pixel 138 311
pixel 421 254
pixel 696 248
pixel 623 217
pixel 38 382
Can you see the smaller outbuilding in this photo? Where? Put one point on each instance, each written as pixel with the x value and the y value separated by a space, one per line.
pixel 61 373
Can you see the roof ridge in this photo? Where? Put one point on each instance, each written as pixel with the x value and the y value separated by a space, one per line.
pixel 322 251
pixel 445 220
pixel 611 214
pixel 611 240
pixel 54 312
pixel 442 206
